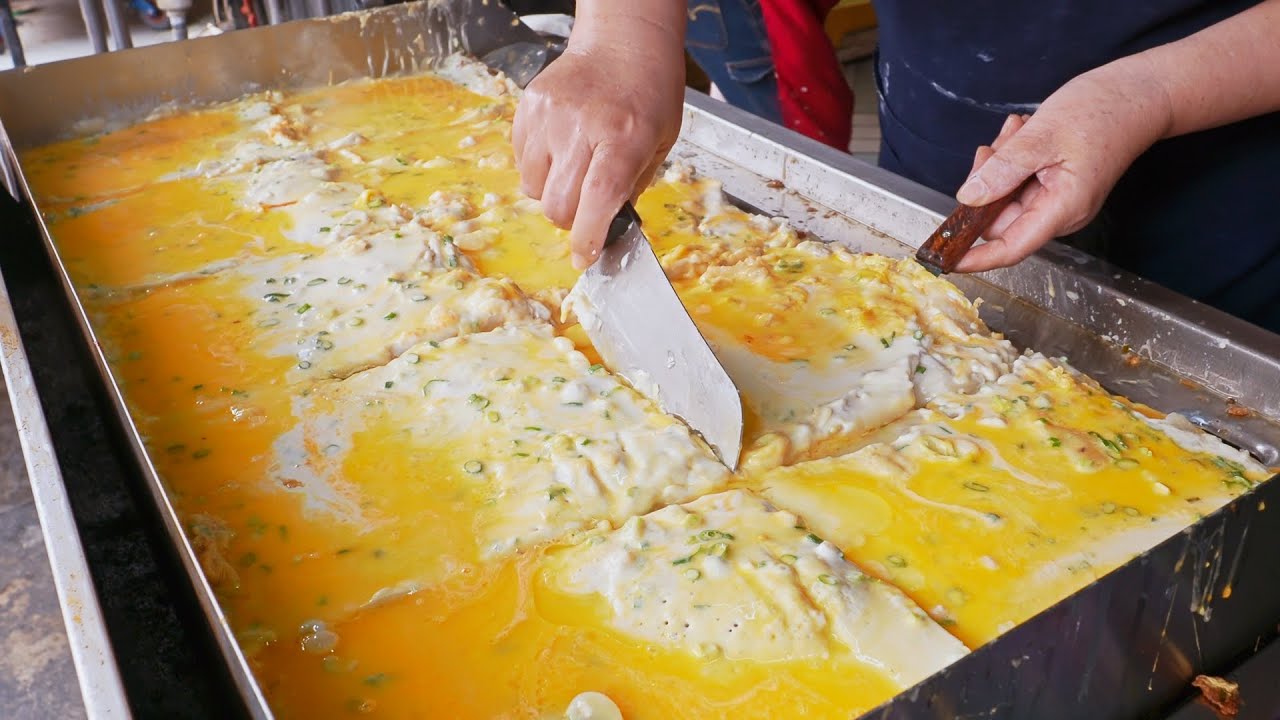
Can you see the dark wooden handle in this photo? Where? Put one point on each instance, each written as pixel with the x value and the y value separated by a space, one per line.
pixel 953 238
pixel 621 222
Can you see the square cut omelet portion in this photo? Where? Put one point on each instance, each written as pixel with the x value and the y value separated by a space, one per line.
pixel 987 508
pixel 349 343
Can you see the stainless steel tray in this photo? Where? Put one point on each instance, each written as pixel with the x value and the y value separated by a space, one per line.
pixel 1061 302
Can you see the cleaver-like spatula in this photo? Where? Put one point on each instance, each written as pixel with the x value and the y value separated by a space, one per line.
pixel 642 330
pixel 624 301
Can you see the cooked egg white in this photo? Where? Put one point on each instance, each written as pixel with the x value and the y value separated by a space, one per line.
pixel 730 575
pixel 541 442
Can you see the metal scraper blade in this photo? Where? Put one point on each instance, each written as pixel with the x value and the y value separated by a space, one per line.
pixel 642 330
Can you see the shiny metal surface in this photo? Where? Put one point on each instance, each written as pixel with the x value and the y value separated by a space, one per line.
pixel 117 24
pixel 643 332
pixel 1185 356
pixel 93 25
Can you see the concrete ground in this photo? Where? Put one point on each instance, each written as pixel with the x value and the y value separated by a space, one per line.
pixel 37 679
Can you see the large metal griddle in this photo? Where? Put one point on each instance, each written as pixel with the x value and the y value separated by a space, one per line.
pixel 1125 646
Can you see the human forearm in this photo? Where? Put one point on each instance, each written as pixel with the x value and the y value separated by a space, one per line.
pixel 644 26
pixel 1225 73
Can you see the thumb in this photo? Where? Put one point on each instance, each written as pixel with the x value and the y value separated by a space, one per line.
pixel 1018 158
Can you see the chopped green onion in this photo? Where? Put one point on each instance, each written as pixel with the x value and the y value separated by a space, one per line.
pixel 897 561
pixel 391 316
pixel 693 573
pixel 1112 449
pixel 479 402
pixel 813 539
pixel 473 466
pixel 303 308
pixel 316 281
pixel 976 486
pixel 826 579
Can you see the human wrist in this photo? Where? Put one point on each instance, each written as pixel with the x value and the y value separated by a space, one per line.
pixel 653 29
pixel 1147 106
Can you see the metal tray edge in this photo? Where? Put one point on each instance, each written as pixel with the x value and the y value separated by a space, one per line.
pixel 241 673
pixel 91 652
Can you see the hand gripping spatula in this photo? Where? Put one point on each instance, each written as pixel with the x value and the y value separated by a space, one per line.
pixel 624 301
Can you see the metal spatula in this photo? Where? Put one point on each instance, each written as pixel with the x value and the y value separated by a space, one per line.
pixel 636 320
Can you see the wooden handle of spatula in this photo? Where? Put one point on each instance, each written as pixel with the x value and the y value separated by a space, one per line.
pixel 942 251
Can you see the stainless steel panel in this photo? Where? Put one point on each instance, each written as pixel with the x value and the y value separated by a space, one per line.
pixel 1192 357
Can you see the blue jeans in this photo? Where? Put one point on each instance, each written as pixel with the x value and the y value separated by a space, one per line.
pixel 727 39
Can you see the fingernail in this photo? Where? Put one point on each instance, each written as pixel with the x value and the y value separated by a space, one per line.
pixel 1007 122
pixel 579 261
pixel 973 190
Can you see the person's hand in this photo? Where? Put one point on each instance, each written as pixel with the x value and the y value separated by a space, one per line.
pixel 592 129
pixel 1077 145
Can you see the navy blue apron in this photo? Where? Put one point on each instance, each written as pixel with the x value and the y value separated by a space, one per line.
pixel 1196 214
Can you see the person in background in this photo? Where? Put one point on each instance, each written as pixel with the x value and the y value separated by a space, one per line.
pixel 1153 126
pixel 773 59
pixel 151 15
